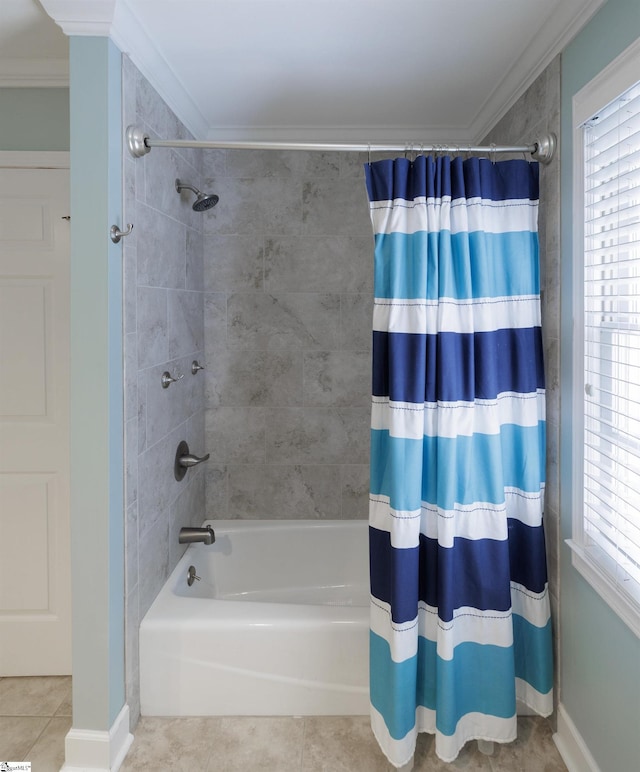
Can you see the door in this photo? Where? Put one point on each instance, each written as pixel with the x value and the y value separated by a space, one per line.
pixel 35 590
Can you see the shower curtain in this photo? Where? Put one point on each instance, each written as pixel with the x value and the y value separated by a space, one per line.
pixel 460 617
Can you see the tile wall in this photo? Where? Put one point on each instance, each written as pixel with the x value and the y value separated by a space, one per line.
pixel 538 112
pixel 164 330
pixel 288 304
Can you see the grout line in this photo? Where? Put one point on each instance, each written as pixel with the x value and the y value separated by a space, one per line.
pixel 44 729
pixel 304 737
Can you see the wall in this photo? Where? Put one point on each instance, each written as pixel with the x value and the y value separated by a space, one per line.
pixel 288 306
pixel 536 113
pixel 34 119
pixel 601 656
pixel 163 330
pixel 96 458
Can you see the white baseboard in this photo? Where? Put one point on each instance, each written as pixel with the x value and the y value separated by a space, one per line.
pixel 571 746
pixel 87 750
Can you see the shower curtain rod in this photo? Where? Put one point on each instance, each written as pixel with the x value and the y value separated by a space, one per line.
pixel 140 143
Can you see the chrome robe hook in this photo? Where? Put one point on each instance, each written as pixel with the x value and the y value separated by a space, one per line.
pixel 116 234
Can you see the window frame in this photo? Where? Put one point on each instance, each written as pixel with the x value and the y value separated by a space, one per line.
pixel 597 568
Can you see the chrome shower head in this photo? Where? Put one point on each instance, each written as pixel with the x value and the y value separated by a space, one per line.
pixel 203 201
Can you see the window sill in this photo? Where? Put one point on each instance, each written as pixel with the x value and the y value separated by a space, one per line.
pixel 622 603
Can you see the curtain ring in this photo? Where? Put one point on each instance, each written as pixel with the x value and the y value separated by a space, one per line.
pixel 369 152
pixel 492 152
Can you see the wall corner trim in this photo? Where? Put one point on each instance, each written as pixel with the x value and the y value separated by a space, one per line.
pixel 573 749
pixel 87 750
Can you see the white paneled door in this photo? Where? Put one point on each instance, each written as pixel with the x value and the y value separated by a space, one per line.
pixel 35 591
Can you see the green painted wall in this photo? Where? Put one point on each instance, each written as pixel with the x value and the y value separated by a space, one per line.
pixel 34 119
pixel 97 501
pixel 600 676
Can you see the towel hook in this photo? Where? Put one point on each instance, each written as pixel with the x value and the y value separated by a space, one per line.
pixel 116 234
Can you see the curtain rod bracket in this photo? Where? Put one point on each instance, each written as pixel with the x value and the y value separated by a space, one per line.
pixel 545 148
pixel 137 142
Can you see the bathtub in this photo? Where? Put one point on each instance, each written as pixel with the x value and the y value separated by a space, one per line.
pixel 277 625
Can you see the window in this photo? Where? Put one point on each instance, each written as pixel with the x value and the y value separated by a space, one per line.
pixel 606 526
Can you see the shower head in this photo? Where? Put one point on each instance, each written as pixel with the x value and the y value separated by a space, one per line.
pixel 203 201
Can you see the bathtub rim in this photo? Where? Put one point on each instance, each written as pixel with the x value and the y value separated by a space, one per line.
pixel 169 606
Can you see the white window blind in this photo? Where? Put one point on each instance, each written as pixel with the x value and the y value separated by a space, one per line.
pixel 611 464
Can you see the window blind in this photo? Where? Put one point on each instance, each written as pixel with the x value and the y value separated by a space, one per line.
pixel 611 465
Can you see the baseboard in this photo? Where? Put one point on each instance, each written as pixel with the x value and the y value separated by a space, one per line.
pixel 571 746
pixel 87 750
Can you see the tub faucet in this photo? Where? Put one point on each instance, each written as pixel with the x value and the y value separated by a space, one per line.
pixel 190 534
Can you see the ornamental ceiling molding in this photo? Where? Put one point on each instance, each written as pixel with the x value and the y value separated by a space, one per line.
pixel 116 19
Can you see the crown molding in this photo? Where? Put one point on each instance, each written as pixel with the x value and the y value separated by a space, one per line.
pixel 554 35
pixel 115 19
pixel 82 17
pixel 128 33
pixel 34 73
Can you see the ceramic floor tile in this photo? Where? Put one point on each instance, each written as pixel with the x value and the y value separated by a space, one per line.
pixel 47 755
pixel 533 751
pixel 65 708
pixel 33 696
pixel 341 744
pixel 18 734
pixel 179 744
pixel 265 743
pixel 315 744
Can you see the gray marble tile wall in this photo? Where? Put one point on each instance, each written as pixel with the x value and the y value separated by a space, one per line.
pixel 288 304
pixel 163 330
pixel 535 113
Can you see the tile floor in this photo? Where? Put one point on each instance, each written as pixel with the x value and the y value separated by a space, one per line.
pixel 35 715
pixel 315 744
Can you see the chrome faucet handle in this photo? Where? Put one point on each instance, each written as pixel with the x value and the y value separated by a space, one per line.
pixel 184 460
pixel 167 379
pixel 188 459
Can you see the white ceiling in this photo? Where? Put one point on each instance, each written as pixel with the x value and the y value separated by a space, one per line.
pixel 367 70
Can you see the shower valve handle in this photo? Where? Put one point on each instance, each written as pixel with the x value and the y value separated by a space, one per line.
pixel 184 460
pixel 190 460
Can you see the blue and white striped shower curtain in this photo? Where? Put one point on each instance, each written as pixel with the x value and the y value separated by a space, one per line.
pixel 460 617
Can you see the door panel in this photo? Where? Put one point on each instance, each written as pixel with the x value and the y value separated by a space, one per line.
pixel 35 594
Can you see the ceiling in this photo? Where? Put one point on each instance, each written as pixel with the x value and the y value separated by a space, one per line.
pixel 361 70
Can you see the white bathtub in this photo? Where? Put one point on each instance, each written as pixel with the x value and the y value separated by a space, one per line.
pixel 277 625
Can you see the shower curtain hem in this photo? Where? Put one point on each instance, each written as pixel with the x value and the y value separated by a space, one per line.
pixel 384 740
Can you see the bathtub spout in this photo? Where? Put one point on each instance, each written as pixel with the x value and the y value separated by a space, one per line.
pixel 191 534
